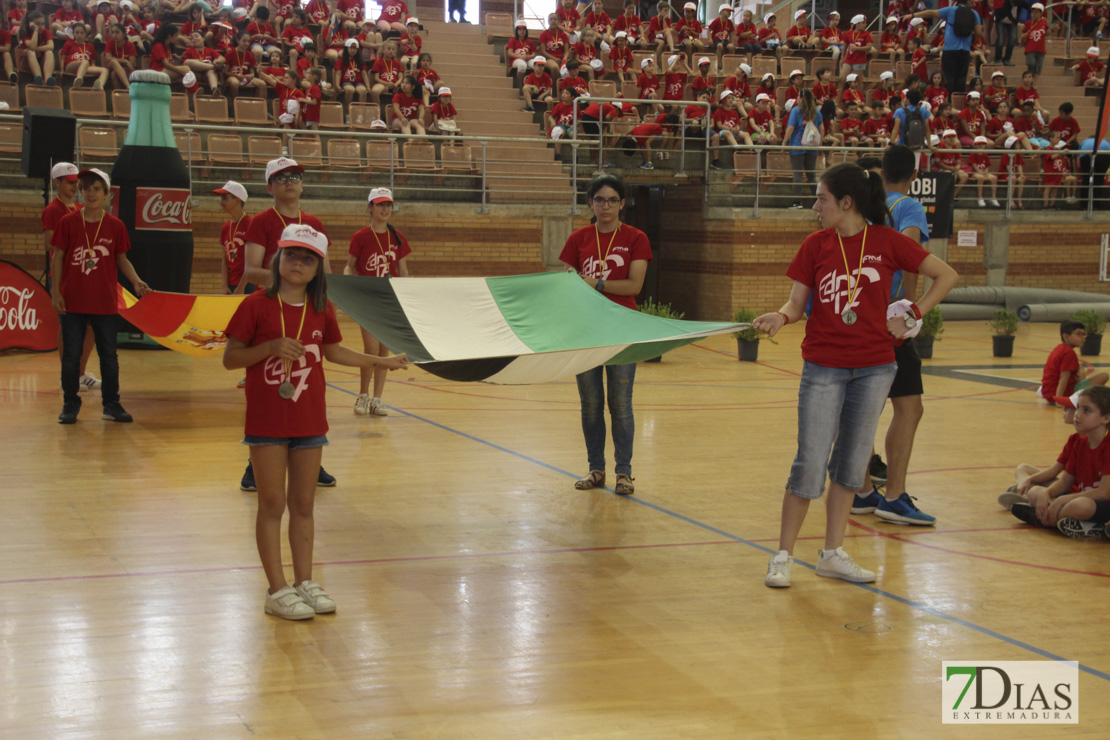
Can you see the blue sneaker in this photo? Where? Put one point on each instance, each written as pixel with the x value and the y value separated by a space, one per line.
pixel 903 511
pixel 325 479
pixel 867 504
pixel 248 484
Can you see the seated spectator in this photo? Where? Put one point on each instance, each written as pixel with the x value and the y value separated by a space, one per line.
pixel 64 18
pixel 688 29
pixel 1012 161
pixel 659 33
pixel 295 36
pixel 972 120
pixel 947 160
pixel 649 83
pixel 410 44
pixel 770 38
pixel 630 23
pixel 537 86
pixel 408 108
pixel 521 50
pixel 1066 125
pixel 38 47
pixel 426 77
pixel 800 36
pixel 264 39
pixel 443 115
pixel 77 56
pixel 204 62
pixel 392 18
pixel 1092 72
pixel 620 58
pixel 162 52
pixel 386 73
pixel 721 34
pixel 1057 172
pixel 979 171
pixel 239 68
pixel 349 74
pixel 370 42
pixel 1063 375
pixel 559 121
pixel 728 123
pixel 120 57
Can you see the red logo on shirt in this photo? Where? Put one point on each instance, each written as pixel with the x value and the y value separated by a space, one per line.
pixel 274 372
pixel 163 209
pixel 835 288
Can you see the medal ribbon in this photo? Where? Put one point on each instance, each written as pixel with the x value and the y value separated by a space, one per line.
pixel 853 290
pixel 601 261
pixel 89 253
pixel 287 365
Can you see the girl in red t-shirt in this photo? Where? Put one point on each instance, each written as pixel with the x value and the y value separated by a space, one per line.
pixel 119 56
pixel 66 17
pixel 161 52
pixel 204 62
pixel 936 94
pixel 427 79
pixel 393 17
pixel 611 258
pixel 77 58
pixel 409 46
pixel 282 336
pixel 349 74
pixel 377 250
pixel 848 349
pixel 38 47
pixel 519 52
pixel 386 73
pixel 408 108
pixel 441 116
pixel 620 57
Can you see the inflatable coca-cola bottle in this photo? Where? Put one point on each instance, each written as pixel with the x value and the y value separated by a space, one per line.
pixel 150 188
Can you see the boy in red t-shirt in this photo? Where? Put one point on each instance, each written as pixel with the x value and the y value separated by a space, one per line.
pixel 1091 72
pixel 979 164
pixel 233 237
pixel 1062 373
pixel 91 248
pixel 1073 495
pixel 1057 172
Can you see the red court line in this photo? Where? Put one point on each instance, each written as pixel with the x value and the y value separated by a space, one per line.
pixel 1004 561
pixel 955 470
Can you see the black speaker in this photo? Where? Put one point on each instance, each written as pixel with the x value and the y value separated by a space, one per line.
pixel 49 136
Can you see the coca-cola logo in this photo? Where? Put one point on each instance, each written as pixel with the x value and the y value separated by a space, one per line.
pixel 162 209
pixel 27 320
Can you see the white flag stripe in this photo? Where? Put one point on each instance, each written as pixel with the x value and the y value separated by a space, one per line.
pixel 550 366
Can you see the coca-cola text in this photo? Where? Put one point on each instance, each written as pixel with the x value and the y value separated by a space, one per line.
pixel 162 209
pixel 15 311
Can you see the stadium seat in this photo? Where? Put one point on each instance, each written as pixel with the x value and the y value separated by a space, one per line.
pixel 344 153
pixel 331 115
pixel 420 158
pixel 250 112
pixel 729 63
pixel 458 158
pixel 9 94
pixel 88 101
pixel 630 90
pixel 877 66
pixel 499 25
pixel 789 64
pixel 211 109
pixel 261 149
pixel 363 114
pixel 225 148
pixel 11 138
pixel 744 165
pixel 307 151
pixel 761 66
pixel 121 104
pixel 41 96
pixel 189 146
pixel 381 154
pixel 179 108
pixel 603 89
pixel 97 142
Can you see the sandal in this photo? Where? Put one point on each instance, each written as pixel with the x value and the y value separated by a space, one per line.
pixel 624 485
pixel 596 479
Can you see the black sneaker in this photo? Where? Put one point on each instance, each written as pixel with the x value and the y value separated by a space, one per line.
pixel 69 413
pixel 715 164
pixel 1079 528
pixel 247 484
pixel 877 470
pixel 1026 513
pixel 115 412
pixel 325 480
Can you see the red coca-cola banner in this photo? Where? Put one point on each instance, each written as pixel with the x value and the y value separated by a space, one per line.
pixel 27 320
pixel 163 209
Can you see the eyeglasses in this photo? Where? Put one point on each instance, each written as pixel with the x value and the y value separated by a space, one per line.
pixel 282 179
pixel 611 202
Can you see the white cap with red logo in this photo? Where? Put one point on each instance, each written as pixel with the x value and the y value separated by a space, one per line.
pixel 281 164
pixel 101 174
pixel 65 171
pixel 303 235
pixel 380 195
pixel 234 189
pixel 799 14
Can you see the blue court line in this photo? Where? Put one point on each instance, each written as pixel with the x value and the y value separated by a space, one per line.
pixel 681 517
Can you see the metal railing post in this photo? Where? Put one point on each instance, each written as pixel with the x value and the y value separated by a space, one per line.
pixel 573 210
pixel 392 163
pixel 189 154
pixel 758 172
pixel 1091 186
pixel 1010 187
pixel 484 208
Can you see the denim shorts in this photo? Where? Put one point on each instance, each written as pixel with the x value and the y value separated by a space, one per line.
pixel 838 413
pixel 293 443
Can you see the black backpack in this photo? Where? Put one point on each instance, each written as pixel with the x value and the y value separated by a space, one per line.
pixel 963 21
pixel 914 135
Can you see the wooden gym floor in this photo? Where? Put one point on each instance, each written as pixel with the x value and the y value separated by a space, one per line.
pixel 481 596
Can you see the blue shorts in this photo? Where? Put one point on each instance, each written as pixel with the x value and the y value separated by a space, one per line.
pixel 293 443
pixel 838 412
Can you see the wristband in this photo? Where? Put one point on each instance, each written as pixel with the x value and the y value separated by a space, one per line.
pixel 600 285
pixel 916 311
pixel 785 318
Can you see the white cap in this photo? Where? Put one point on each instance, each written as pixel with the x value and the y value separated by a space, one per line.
pixel 745 68
pixel 761 97
pixel 604 46
pixel 766 75
pixel 519 24
pixel 789 106
pixel 150 28
pixel 292 107
pixel 704 60
pixel 126 4
pixel 444 91
pixel 380 195
pixel 767 18
pixel 1008 126
pixel 861 18
pixel 233 188
pixel 1010 142
pixel 238 13
pixel 982 140
pixel 303 235
pixel 597 65
pixel 852 77
pixel 795 72
pixel 690 6
pixel 378 123
pixel 833 13
pixel 949 132
pixel 539 60
pixel 916 21
pixel 286 118
pixel 924 105
pixel 351 42
pixel 1059 145
pixel 892 19
pixel 412 20
pixel 620 35
pixel 799 14
pixel 725 7
pixel 672 59
pixel 108 182
pixel 1093 51
pixel 934 140
pixel 724 94
pixel 1036 6
pixel 563 71
pixel 998 73
pixel 645 62
pixel 281 164
pixel 973 94
pixel 64 170
pixel 888 75
pixel 189 79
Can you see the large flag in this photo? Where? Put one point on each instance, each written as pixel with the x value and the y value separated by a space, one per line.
pixel 193 324
pixel 509 330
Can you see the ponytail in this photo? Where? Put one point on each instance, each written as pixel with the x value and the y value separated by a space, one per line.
pixel 864 187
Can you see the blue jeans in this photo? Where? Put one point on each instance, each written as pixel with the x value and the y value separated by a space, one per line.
pixel 592 394
pixel 838 411
pixel 104 328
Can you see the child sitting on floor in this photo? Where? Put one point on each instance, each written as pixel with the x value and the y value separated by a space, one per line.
pixel 1062 374
pixel 1069 495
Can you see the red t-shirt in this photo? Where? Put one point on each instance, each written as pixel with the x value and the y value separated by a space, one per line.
pixel 767 34
pixel 74 52
pixel 562 115
pixel 238 64
pixel 945 159
pixel 351 8
pixel 575 82
pixel 394 11
pixel 440 110
pixel 830 36
pixel 631 26
pixel 849 95
pixel 1068 129
pixel 656 27
pixel 688 29
pixel 720 29
pixel 203 54
pixel 266 228
pixel 621 58
pixel 760 121
pixel 317 11
pixel 853 126
pixel 350 70
pixel 424 75
pixel 979 159
pixel 1036 33
pixel 408 105
pixel 568 17
pixel 410 45
pixel 89 275
pixel 645 131
pixel 388 71
pixel 823 91
pixel 378 255
pixel 937 96
pixel 1026 93
pixel 609 261
pixel 975 120
pixel 1004 168
pixel 877 126
pixel 258 30
pixel 890 41
pixel 1087 466
pixel 127 49
pixel 63 16
pixel 296 37
pixel 797 31
pixel 1090 71
pixel 542 83
pixel 233 237
pixel 1060 360
pixel 726 119
pixel 1025 125
pixel 598 21
pixel 159 53
pixel 311 113
pixel 674 85
pixel 54 212
pixel 554 44
pixel 829 341
pixel 256 321
pixel 647 84
pixel 995 126
pixel 585 54
pixel 920 64
pixel 857 38
pixel 521 48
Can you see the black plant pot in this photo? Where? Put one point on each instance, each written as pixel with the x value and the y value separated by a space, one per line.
pixel 655 359
pixel 924 346
pixel 747 349
pixel 1092 345
pixel 1003 345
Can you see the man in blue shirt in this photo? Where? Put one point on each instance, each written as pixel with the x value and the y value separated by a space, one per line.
pixel 899 169
pixel 956 57
pixel 913 103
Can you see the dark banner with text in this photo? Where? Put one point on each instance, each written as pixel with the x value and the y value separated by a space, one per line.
pixel 934 190
pixel 27 320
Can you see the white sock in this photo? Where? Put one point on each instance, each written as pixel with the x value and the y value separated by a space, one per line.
pixel 826 554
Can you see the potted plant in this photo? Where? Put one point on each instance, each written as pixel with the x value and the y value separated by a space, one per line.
pixel 747 340
pixel 932 326
pixel 1004 324
pixel 1095 323
pixel 662 310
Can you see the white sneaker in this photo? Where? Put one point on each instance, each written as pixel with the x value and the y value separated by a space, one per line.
pixel 995 203
pixel 778 570
pixel 839 564
pixel 1071 200
pixel 288 604
pixel 982 203
pixel 88 382
pixel 316 597
pixel 377 408
pixel 362 405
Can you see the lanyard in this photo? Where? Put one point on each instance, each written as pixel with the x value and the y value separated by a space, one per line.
pixel 379 241
pixel 287 365
pixel 601 261
pixel 283 224
pixel 90 254
pixel 853 290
